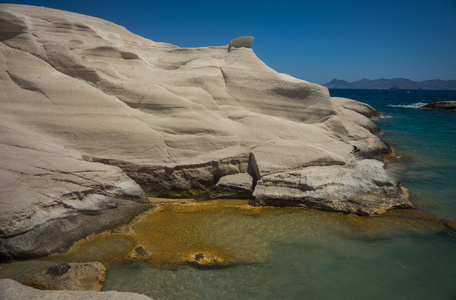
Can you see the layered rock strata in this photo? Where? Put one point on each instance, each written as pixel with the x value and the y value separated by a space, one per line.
pixel 94 118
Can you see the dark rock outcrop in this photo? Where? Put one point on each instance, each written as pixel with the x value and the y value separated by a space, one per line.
pixel 442 105
pixel 395 83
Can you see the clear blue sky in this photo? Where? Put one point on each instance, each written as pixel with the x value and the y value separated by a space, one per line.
pixel 312 40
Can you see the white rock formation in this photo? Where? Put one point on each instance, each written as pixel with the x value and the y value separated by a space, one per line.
pixel 13 290
pixel 92 115
pixel 238 185
pixel 241 42
pixel 356 188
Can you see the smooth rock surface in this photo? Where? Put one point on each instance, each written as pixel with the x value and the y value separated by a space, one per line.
pixel 238 186
pixel 94 118
pixel 51 197
pixel 443 105
pixel 356 188
pixel 73 276
pixel 13 290
pixel 359 107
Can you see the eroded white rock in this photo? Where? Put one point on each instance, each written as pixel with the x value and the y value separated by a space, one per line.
pixel 93 118
pixel 238 185
pixel 361 188
pixel 13 290
pixel 241 42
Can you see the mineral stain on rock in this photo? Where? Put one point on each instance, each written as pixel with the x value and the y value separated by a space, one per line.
pixel 89 276
pixel 58 270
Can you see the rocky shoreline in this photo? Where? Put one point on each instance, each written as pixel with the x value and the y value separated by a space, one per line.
pixel 95 119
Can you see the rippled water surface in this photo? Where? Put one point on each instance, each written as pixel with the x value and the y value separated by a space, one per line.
pixel 289 253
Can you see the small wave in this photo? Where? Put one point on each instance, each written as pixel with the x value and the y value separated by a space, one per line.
pixel 413 105
pixel 386 117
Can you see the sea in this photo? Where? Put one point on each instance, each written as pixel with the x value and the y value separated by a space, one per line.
pixel 290 253
pixel 423 139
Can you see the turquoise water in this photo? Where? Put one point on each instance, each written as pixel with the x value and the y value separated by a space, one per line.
pixel 425 140
pixel 295 254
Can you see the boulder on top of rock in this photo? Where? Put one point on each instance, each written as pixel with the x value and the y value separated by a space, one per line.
pixel 241 42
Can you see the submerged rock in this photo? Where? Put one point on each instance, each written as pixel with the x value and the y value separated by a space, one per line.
pixel 95 118
pixel 206 260
pixel 443 105
pixel 73 276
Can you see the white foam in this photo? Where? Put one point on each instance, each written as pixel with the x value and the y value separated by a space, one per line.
pixel 413 105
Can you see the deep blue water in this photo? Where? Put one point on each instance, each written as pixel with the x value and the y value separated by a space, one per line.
pixel 425 140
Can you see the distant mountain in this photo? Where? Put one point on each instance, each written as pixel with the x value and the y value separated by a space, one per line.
pixel 395 83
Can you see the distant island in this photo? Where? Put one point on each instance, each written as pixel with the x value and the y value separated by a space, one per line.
pixel 395 83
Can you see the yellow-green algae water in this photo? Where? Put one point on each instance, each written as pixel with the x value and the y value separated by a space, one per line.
pixel 226 249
